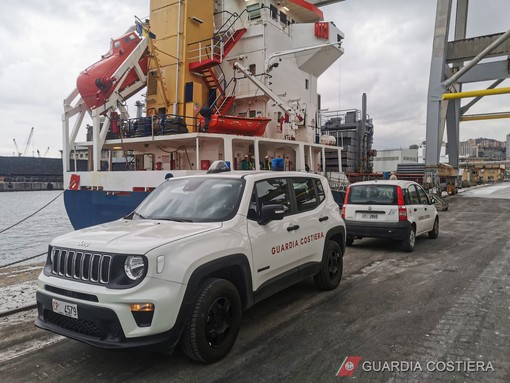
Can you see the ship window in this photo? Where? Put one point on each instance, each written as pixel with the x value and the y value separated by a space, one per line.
pixel 306 83
pixel 253 113
pixel 283 17
pixel 188 92
pixel 116 44
pixel 274 12
pixel 253 11
pixel 253 69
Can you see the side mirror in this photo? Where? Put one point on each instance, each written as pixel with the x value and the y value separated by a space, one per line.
pixel 432 200
pixel 273 212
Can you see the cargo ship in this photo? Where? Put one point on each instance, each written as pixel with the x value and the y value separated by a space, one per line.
pixel 230 80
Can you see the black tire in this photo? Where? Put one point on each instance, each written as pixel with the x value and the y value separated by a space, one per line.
pixel 434 233
pixel 349 241
pixel 407 244
pixel 331 271
pixel 212 328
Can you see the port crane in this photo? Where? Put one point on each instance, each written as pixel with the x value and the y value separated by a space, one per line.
pixel 29 140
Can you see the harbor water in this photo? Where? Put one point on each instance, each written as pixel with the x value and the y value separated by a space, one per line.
pixel 33 235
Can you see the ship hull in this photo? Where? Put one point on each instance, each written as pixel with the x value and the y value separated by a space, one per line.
pixel 93 207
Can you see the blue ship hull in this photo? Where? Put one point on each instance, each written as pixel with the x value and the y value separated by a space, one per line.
pixel 92 207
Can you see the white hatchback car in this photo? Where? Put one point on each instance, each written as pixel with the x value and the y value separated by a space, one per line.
pixel 393 209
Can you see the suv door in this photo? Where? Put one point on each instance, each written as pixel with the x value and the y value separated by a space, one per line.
pixel 275 246
pixel 311 217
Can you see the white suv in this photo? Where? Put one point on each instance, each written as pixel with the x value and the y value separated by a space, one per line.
pixel 399 210
pixel 185 264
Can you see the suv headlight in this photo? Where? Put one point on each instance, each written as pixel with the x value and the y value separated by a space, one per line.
pixel 134 267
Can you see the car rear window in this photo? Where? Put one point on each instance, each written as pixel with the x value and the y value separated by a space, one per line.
pixel 373 195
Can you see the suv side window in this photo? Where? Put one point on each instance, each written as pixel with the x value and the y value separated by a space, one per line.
pixel 320 190
pixel 424 199
pixel 267 192
pixel 304 189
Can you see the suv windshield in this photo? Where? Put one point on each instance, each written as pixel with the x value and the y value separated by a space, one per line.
pixel 198 199
pixel 373 195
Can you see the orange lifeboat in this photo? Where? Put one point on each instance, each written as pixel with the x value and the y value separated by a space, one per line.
pixel 96 83
pixel 244 126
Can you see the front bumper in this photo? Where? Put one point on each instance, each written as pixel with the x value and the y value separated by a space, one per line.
pixel 397 231
pixel 108 322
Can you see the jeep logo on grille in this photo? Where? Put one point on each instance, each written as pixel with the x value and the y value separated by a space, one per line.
pixel 83 244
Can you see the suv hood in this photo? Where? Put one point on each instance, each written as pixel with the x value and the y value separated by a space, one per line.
pixel 133 237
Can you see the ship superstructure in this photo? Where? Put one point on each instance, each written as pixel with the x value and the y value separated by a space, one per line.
pixel 224 80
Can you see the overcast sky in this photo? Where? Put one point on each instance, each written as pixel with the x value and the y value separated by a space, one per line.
pixel 45 45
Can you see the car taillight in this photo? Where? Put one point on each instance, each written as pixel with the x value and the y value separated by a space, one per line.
pixel 402 210
pixel 346 199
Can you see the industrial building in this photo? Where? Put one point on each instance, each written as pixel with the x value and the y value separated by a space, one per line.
pixel 354 131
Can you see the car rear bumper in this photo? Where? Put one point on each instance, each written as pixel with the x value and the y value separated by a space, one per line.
pixel 397 231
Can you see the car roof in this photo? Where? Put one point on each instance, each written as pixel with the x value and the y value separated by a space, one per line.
pixel 401 183
pixel 254 174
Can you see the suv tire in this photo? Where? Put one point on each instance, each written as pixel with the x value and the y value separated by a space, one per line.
pixel 213 325
pixel 407 244
pixel 331 270
pixel 434 233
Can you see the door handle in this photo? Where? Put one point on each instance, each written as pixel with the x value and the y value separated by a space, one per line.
pixel 294 227
pixel 415 209
pixel 323 218
pixel 425 208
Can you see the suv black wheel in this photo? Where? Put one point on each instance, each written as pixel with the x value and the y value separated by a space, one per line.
pixel 212 328
pixel 330 274
pixel 408 243
pixel 434 233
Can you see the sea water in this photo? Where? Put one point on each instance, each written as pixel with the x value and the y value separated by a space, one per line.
pixel 32 236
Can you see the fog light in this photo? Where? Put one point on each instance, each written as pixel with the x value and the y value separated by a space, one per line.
pixel 141 307
pixel 142 313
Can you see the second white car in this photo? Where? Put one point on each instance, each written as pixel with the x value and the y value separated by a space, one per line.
pixel 393 209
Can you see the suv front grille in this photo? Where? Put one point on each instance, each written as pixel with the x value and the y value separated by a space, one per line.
pixel 82 266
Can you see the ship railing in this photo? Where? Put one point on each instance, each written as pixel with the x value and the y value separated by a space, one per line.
pixel 208 49
pixel 214 48
pixel 233 21
pixel 228 91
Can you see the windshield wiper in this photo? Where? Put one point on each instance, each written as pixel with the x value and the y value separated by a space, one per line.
pixel 176 219
pixel 139 215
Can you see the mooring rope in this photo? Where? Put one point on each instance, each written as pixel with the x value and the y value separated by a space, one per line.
pixel 22 260
pixel 31 215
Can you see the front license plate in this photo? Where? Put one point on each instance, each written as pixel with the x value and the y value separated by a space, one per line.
pixel 64 308
pixel 369 216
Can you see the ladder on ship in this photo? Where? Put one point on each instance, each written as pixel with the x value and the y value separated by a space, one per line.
pixel 211 54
